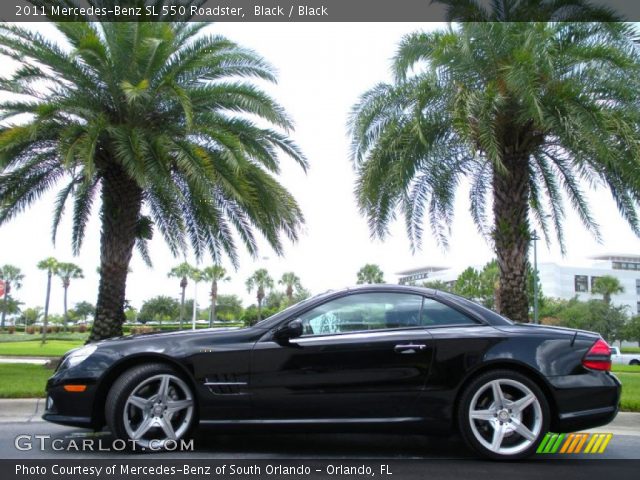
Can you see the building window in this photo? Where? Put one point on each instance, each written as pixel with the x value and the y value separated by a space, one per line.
pixel 638 308
pixel 625 265
pixel 637 286
pixel 593 282
pixel 582 283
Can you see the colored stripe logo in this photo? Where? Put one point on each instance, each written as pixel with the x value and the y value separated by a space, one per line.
pixel 574 443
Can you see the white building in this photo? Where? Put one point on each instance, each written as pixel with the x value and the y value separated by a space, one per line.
pixel 564 280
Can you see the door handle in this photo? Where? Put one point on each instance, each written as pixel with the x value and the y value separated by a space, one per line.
pixel 409 348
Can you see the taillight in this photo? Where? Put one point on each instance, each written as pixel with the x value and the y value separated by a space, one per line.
pixel 598 357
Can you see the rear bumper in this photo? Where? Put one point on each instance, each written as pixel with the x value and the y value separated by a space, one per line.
pixel 585 401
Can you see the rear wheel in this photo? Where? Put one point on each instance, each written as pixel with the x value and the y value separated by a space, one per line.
pixel 503 415
pixel 634 362
pixel 150 405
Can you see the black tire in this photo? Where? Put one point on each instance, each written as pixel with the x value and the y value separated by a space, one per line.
pixel 479 386
pixel 120 392
pixel 634 362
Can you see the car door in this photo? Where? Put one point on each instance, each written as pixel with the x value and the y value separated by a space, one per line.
pixel 361 356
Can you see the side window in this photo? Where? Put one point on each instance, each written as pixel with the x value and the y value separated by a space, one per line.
pixel 435 313
pixel 363 311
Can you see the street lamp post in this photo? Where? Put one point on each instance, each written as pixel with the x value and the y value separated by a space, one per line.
pixel 535 238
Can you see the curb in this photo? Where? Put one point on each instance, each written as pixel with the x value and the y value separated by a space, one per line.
pixel 21 410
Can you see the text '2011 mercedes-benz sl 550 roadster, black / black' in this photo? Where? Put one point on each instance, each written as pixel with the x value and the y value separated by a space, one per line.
pixel 382 358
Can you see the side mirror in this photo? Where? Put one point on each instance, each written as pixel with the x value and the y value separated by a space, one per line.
pixel 293 329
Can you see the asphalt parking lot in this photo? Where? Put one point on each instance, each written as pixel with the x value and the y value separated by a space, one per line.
pixel 210 444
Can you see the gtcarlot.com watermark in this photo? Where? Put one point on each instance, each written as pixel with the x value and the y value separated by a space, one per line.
pixel 97 444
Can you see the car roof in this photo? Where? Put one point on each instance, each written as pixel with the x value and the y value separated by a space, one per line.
pixel 476 309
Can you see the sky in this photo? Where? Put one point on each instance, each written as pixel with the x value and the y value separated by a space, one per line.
pixel 322 70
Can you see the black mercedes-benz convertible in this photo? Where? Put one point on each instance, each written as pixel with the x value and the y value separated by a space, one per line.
pixel 383 357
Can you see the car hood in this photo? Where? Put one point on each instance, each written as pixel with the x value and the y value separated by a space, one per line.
pixel 170 334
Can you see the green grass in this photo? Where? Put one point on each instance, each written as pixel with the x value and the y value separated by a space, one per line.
pixel 630 401
pixel 625 368
pixel 23 380
pixel 53 348
pixel 24 337
pixel 630 349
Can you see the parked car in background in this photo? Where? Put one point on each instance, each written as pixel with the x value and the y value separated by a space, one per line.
pixel 388 358
pixel 624 358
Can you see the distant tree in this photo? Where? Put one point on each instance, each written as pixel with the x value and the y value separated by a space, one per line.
pixel 276 300
pixel 370 273
pixel 607 286
pixel 259 281
pixel 50 265
pixel 631 330
pixel 437 285
pixel 214 274
pixel 292 284
pixel 468 284
pixel 67 271
pixel 12 277
pixel 131 314
pixel 253 314
pixel 31 315
pixel 595 315
pixel 182 272
pixel 229 307
pixel 84 309
pixel 10 306
pixel 159 308
pixel 301 294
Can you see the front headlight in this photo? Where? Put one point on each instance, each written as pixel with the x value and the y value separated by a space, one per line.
pixel 76 357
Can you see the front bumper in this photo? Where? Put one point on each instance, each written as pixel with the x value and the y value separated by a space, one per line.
pixel 69 408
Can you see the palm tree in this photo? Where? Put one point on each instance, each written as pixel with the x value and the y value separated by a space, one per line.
pixel 182 272
pixel 67 272
pixel 525 11
pixel 525 111
pixel 12 277
pixel 292 282
pixel 607 286
pixel 150 117
pixel 214 274
pixel 196 277
pixel 259 281
pixel 370 273
pixel 50 265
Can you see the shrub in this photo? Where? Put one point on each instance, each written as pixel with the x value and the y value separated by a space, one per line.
pixel 82 328
pixel 31 330
pixel 11 330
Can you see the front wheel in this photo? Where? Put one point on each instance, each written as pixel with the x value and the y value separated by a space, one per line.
pixel 150 405
pixel 634 362
pixel 503 415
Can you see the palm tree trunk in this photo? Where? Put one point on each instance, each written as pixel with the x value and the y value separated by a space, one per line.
pixel 214 296
pixel 184 287
pixel 511 235
pixel 121 203
pixel 46 308
pixel 6 304
pixel 65 318
pixel 260 297
pixel 290 293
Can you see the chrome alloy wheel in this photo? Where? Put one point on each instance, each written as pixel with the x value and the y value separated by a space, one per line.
pixel 157 410
pixel 505 416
